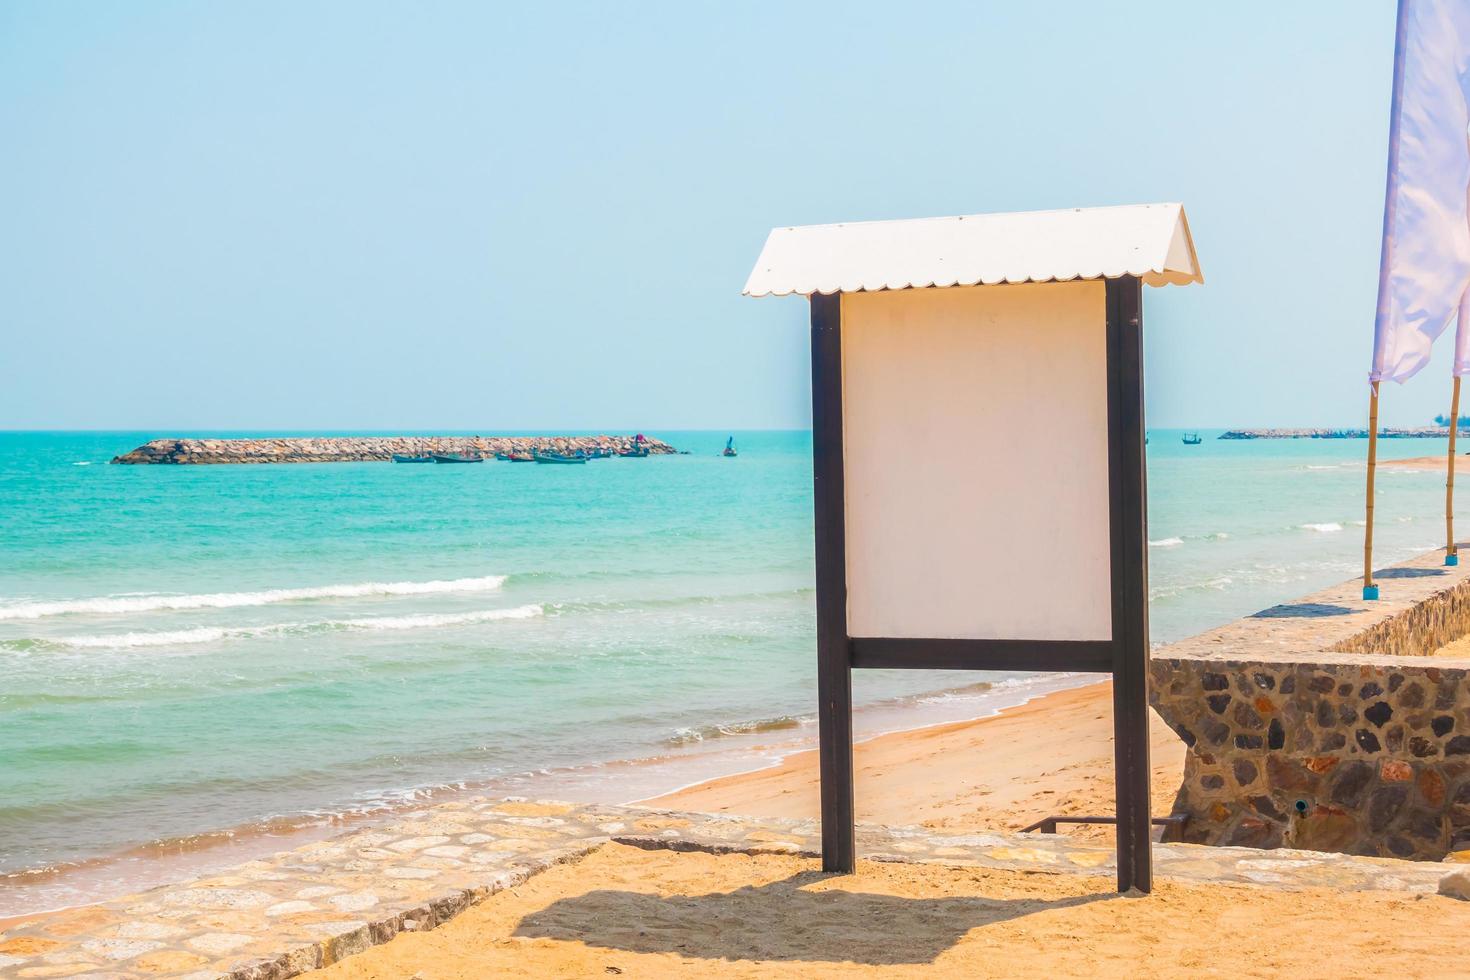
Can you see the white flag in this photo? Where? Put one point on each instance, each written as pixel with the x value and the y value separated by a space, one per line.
pixel 1426 229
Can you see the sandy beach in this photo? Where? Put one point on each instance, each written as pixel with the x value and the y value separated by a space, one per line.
pixel 1051 756
pixel 1422 462
pixel 636 913
pixel 627 911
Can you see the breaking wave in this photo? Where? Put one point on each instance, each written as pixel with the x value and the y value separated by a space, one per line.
pixel 701 733
pixel 231 600
pixel 1325 528
pixel 160 638
pixel 432 620
pixel 1217 584
pixel 213 634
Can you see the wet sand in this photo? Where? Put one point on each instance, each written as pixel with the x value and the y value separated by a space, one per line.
pixel 1051 756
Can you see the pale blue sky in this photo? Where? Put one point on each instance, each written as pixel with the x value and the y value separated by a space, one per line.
pixel 444 215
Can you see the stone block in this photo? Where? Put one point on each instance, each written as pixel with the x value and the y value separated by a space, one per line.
pixel 1456 884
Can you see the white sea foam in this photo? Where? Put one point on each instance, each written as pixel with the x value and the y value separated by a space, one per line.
pixel 1165 542
pixel 229 600
pixel 431 620
pixel 213 634
pixel 1325 528
pixel 1217 536
pixel 84 462
pixel 157 638
pixel 1218 584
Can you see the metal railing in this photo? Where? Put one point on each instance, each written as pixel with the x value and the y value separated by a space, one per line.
pixel 1049 824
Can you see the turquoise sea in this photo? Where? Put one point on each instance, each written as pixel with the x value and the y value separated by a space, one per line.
pixel 198 655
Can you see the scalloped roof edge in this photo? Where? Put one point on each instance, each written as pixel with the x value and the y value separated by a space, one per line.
pixel 1150 241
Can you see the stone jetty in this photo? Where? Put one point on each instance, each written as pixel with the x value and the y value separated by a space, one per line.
pixel 367 449
pixel 1417 432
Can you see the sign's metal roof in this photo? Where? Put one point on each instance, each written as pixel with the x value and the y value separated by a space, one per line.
pixel 1150 241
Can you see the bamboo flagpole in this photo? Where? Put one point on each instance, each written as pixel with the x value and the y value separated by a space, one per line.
pixel 1385 265
pixel 1370 589
pixel 1451 553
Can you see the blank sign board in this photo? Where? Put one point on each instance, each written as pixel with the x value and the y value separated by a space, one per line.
pixel 978 464
pixel 975 434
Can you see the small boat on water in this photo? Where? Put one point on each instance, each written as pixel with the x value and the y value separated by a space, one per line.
pixel 450 458
pixel 519 458
pixel 1192 439
pixel 730 447
pixel 398 458
pixel 638 450
pixel 559 458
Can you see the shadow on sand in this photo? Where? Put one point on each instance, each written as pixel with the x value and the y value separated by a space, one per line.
pixel 1408 572
pixel 1303 610
pixel 780 921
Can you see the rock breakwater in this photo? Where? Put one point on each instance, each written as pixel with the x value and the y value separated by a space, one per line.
pixel 367 449
pixel 1418 432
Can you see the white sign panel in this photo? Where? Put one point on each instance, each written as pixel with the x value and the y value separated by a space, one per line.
pixel 976 462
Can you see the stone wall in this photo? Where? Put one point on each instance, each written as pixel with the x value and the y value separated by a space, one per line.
pixel 1321 724
pixel 361 449
pixel 1418 631
pixel 1323 756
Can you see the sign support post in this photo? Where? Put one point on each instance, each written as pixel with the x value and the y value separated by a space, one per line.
pixel 1128 490
pixel 834 669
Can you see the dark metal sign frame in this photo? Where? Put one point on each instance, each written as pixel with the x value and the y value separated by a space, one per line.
pixel 1124 656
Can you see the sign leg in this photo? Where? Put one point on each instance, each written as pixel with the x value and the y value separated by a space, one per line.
pixel 1131 775
pixel 1128 480
pixel 834 661
pixel 839 846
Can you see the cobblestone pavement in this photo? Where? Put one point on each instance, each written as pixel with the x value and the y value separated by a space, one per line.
pixel 312 906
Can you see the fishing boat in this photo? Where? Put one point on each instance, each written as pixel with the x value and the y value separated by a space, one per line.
pixel 398 458
pixel 1192 439
pixel 558 458
pixel 729 447
pixel 638 450
pixel 519 458
pixel 450 458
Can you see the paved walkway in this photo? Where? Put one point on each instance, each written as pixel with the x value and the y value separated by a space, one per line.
pixel 312 906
